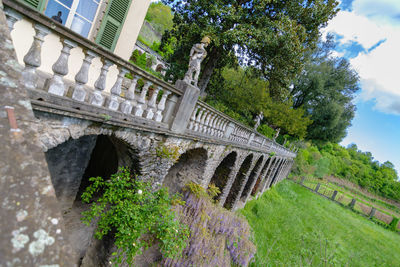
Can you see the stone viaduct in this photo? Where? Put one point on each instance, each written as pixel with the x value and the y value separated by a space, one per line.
pixel 63 123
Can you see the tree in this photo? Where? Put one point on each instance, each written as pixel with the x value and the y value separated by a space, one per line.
pixel 325 90
pixel 160 17
pixel 271 35
pixel 244 95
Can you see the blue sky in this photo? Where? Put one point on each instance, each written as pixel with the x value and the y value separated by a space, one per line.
pixel 367 32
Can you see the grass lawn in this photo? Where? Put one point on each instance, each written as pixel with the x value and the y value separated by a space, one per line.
pixel 295 227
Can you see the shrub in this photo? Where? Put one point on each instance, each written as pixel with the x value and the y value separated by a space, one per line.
pixel 130 209
pixel 394 223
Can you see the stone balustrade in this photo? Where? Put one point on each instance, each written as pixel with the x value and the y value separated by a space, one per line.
pixel 145 97
pixel 79 74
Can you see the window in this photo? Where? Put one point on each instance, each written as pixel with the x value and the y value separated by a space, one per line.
pixel 78 15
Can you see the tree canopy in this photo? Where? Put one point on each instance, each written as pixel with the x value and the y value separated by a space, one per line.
pixel 325 89
pixel 245 95
pixel 351 164
pixel 160 17
pixel 271 35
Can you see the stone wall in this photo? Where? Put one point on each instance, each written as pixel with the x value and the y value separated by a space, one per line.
pixel 31 225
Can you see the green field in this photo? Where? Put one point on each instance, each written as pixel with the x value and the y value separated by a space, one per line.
pixel 295 227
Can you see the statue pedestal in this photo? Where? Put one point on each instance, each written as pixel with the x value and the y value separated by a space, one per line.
pixel 186 105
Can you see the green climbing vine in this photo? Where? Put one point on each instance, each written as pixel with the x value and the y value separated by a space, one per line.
pixel 130 209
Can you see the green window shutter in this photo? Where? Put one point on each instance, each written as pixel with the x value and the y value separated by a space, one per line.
pixel 35 4
pixel 112 23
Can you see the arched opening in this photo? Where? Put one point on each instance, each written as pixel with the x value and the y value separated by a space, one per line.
pixel 276 173
pixel 221 174
pixel 71 164
pixel 241 175
pixel 260 176
pixel 269 173
pixel 190 167
pixel 251 179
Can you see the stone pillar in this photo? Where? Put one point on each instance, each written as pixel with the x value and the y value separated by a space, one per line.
pixel 246 178
pixel 270 173
pixel 169 109
pixel 372 213
pixel 229 183
pixel 186 105
pixel 32 227
pixel 317 187
pixel 230 127
pixel 97 98
pixel 257 174
pixel 334 195
pixel 353 203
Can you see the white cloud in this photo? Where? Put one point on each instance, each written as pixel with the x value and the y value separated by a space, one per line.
pixel 381 11
pixel 355 28
pixel 379 69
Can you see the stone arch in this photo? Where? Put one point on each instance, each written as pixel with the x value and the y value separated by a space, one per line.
pixel 254 173
pixel 260 177
pixel 189 167
pixel 223 171
pixel 239 179
pixel 275 174
pixel 269 173
pixel 71 164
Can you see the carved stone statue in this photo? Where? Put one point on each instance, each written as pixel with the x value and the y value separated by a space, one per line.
pixel 258 120
pixel 277 133
pixel 197 54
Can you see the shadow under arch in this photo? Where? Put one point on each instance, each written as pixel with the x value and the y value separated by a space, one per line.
pixel 189 167
pixel 251 179
pixel 276 172
pixel 260 176
pixel 71 164
pixel 223 171
pixel 241 175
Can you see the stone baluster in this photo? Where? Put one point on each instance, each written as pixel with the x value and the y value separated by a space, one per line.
pixel 202 120
pixel 56 84
pixel 207 123
pixel 198 118
pixel 161 106
pixel 12 16
pixel 115 91
pixel 139 109
pixel 220 127
pixel 97 98
pixel 211 129
pixel 127 105
pixel 32 59
pixel 215 131
pixel 193 118
pixel 151 104
pixel 82 77
pixel 224 127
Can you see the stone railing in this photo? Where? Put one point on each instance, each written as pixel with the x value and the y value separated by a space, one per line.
pixel 80 75
pixel 105 90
